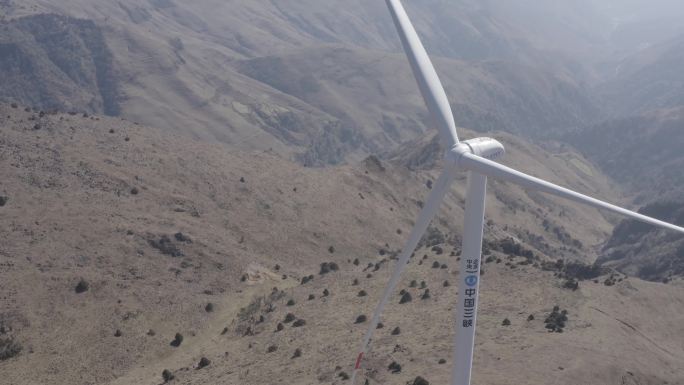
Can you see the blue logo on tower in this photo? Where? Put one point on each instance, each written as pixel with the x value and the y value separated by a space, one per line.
pixel 471 280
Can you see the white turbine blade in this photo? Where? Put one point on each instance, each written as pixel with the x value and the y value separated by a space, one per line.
pixel 429 210
pixel 428 81
pixel 496 170
pixel 469 279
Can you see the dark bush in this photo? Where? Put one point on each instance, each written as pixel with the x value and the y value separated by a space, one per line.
pixel 203 363
pixel 289 317
pixel 134 191
pixel 167 375
pixel 356 261
pixel 331 249
pixel 279 327
pixel 3 200
pixel 380 325
pixel 311 297
pixel 394 367
pixel 166 247
pixel 298 323
pixel 180 237
pixel 405 298
pixel 506 322
pixel 571 284
pixel 209 308
pixel 437 250
pixel 277 267
pixel 177 341
pixel 420 381
pixel 555 322
pixel 326 292
pixel 441 361
pixel 297 353
pixel 343 375
pixel 530 317
pixel 291 302
pixel 9 348
pixel 435 265
pixel 272 349
pixel 355 282
pixel 306 279
pixel 413 283
pixel 361 319
pixel 362 293
pixel 446 284
pixel 82 286
pixel 423 285
pixel 396 331
pixel 426 294
pixel 325 268
pixel 118 333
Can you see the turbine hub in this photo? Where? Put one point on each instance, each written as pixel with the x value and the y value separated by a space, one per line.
pixel 487 148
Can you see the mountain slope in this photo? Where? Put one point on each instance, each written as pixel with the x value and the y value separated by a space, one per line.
pixel 54 61
pixel 159 226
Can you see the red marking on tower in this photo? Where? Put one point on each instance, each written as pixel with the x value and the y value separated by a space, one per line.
pixel 358 361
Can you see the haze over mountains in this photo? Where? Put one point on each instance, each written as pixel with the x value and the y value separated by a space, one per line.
pixel 214 68
pixel 176 173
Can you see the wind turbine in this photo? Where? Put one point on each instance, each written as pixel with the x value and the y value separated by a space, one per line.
pixel 476 157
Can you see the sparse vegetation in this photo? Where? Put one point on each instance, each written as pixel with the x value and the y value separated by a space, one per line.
pixel 419 381
pixel 327 267
pixel 167 247
pixel 555 322
pixel 82 286
pixel 177 340
pixel 203 363
pixel 180 237
pixel 299 323
pixel 167 375
pixel 9 348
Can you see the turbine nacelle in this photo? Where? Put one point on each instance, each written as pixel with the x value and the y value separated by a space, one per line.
pixel 484 147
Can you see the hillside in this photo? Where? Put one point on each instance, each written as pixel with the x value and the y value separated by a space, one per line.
pixel 158 226
pixel 643 153
pixel 216 70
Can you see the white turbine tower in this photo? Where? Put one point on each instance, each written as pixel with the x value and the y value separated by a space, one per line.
pixel 476 157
